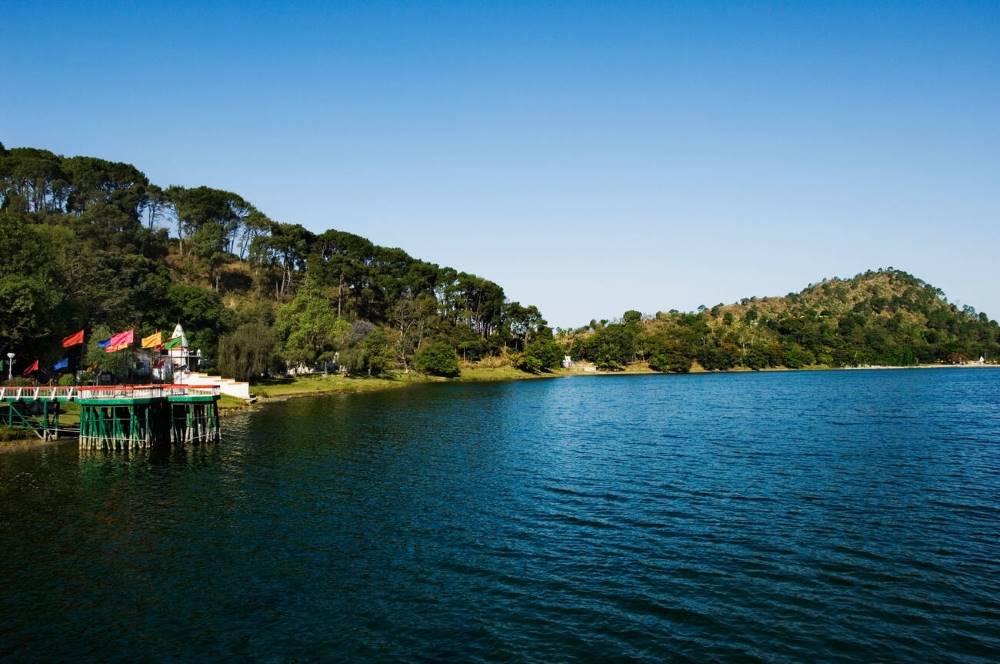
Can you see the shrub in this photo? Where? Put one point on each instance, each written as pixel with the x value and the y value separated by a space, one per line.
pixel 540 355
pixel 501 359
pixel 669 361
pixel 796 357
pixel 437 358
pixel 529 364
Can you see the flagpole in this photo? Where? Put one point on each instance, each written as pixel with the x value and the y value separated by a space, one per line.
pixel 79 361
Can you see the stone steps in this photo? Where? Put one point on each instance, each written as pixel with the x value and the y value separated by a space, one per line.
pixel 228 386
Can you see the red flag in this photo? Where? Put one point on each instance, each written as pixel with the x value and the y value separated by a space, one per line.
pixel 31 369
pixel 73 339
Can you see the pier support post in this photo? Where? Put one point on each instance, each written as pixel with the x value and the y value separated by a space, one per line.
pixel 126 423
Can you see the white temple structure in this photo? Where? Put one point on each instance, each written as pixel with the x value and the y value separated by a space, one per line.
pixel 182 365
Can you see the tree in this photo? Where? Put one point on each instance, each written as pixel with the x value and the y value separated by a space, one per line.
pixel 308 326
pixel 522 322
pixel 437 358
pixel 95 357
pixel 248 351
pixel 410 317
pixel 542 354
pixel 609 347
pixel 30 292
pixel 670 358
pixel 372 355
pixel 209 219
pixel 284 251
pixel 203 315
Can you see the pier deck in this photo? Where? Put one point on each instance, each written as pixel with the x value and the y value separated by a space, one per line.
pixel 117 417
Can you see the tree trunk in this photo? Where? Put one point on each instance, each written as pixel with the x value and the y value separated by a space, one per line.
pixel 340 291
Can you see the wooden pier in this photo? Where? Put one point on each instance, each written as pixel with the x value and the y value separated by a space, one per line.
pixel 117 417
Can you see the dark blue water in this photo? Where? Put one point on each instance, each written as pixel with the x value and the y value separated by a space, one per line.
pixel 837 516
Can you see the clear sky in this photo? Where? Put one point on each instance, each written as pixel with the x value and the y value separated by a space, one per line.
pixel 589 157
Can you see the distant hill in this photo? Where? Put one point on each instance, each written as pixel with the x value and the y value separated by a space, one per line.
pixel 883 317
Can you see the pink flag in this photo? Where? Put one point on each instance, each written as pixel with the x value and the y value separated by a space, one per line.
pixel 120 341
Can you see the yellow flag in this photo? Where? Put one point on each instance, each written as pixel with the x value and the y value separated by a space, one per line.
pixel 153 340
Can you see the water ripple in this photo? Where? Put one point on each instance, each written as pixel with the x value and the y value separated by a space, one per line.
pixel 836 516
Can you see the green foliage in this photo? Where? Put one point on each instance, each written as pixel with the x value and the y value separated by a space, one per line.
pixel 87 244
pixel 95 357
pixel 371 356
pixel 670 360
pixel 610 347
pixel 209 221
pixel 521 324
pixel 309 327
pixel 540 355
pixel 248 351
pixel 885 317
pixel 794 356
pixel 90 242
pixel 30 296
pixel 202 313
pixel 437 358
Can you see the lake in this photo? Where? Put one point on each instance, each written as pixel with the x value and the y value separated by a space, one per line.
pixel 797 516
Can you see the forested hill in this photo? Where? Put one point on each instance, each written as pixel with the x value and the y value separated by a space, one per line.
pixel 93 244
pixel 885 317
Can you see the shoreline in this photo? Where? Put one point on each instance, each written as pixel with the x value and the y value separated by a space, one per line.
pixel 699 370
pixel 315 386
pixel 319 385
pixel 298 387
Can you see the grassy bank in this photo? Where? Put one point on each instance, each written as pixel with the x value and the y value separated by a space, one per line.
pixel 337 384
pixel 9 434
pixel 332 384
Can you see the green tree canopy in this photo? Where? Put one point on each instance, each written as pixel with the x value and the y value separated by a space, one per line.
pixel 437 358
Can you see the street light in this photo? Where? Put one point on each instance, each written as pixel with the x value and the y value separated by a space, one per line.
pixel 10 367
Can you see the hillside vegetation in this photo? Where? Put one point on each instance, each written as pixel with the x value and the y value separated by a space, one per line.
pixel 93 244
pixel 885 317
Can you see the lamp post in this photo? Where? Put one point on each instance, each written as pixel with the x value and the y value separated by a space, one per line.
pixel 10 367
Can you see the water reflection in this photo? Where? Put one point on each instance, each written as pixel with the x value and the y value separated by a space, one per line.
pixel 160 456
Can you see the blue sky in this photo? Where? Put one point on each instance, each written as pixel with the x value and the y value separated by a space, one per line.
pixel 589 157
